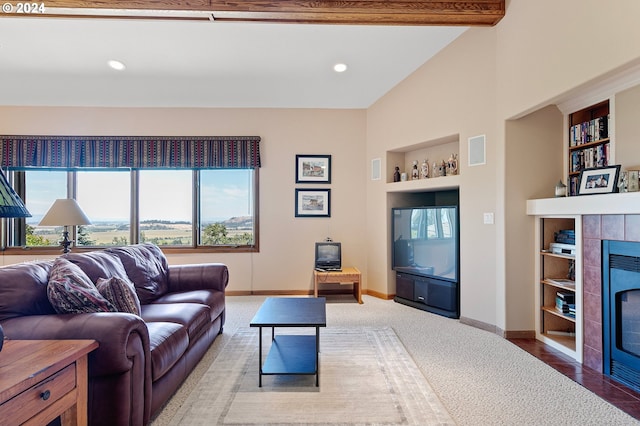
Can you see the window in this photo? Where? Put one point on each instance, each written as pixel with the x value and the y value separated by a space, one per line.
pixel 45 187
pixel 166 207
pixel 105 197
pixel 181 208
pixel 226 207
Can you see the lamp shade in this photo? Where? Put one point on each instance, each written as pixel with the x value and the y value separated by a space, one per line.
pixel 10 204
pixel 64 212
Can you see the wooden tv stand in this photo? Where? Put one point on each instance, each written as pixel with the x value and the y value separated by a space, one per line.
pixel 346 276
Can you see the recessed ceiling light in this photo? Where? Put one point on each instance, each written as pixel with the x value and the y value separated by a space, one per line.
pixel 340 67
pixel 116 65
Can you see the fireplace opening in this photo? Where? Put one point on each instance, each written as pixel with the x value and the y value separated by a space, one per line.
pixel 621 311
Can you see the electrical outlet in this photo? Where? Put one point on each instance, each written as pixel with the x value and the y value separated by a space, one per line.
pixel 488 218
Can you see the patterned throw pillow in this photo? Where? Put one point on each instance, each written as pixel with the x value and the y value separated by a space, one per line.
pixel 70 290
pixel 121 293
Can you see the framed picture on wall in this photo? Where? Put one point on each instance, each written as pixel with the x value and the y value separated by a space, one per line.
pixel 599 181
pixel 313 169
pixel 313 203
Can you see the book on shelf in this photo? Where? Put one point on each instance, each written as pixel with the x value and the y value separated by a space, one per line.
pixel 565 236
pixel 566 282
pixel 589 131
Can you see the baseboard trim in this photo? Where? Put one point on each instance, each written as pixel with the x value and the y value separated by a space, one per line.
pixel 508 334
pixel 302 293
pixel 520 334
pixel 481 325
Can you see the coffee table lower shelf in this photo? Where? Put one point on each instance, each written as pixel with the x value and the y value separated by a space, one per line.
pixel 291 355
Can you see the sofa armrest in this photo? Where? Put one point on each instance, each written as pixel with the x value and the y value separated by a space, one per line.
pixel 123 338
pixel 204 276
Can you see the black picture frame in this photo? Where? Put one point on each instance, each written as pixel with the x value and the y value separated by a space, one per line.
pixel 313 202
pixel 313 168
pixel 602 180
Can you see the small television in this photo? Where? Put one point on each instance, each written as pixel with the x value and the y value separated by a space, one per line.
pixel 328 255
pixel 426 241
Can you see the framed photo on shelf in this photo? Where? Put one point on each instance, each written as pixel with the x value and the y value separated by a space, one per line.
pixel 313 169
pixel 313 202
pixel 599 181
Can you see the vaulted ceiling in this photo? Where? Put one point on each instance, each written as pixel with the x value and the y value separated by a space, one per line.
pixel 210 53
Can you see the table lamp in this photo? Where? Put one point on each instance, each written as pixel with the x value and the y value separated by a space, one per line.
pixel 10 206
pixel 65 212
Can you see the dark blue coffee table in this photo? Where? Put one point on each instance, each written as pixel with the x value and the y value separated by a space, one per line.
pixel 291 354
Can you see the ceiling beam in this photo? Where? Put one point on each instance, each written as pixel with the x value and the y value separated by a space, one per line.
pixel 364 12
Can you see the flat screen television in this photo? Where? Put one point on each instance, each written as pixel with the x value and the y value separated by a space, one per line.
pixel 328 255
pixel 426 241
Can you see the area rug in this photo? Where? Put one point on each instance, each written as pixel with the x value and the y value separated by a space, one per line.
pixel 366 377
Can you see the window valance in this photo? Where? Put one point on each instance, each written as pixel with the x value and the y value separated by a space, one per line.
pixel 137 152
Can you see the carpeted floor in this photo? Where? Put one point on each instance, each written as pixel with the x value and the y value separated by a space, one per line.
pixel 480 378
pixel 352 360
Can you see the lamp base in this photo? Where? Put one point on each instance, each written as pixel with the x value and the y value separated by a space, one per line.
pixel 66 242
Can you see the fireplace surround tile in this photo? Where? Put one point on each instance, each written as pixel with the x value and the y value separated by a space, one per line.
pixel 632 227
pixel 613 227
pixel 591 252
pixel 591 226
pixel 592 279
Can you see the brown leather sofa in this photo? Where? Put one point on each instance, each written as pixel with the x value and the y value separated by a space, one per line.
pixel 142 360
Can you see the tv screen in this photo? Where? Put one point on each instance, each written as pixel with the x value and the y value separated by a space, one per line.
pixel 425 241
pixel 328 255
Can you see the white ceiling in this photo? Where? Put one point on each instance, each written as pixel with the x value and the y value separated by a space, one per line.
pixel 63 62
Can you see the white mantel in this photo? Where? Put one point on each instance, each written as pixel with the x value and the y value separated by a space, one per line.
pixel 618 203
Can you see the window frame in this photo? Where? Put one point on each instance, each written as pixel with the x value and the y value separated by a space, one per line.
pixel 14 229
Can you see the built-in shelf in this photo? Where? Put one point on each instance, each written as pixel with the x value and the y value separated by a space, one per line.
pixel 434 151
pixel 438 183
pixel 554 327
pixel 618 203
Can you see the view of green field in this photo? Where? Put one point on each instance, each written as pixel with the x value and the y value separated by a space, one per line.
pixel 160 233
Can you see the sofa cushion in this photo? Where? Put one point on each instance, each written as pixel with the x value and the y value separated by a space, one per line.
pixel 98 264
pixel 121 294
pixel 70 290
pixel 193 316
pixel 147 268
pixel 23 290
pixel 212 298
pixel 168 342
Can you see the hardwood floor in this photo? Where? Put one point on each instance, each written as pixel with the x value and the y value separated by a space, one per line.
pixel 611 391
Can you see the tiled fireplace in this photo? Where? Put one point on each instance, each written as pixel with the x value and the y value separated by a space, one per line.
pixel 595 228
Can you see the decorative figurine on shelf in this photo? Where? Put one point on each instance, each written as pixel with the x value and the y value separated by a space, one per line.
pixel 561 189
pixel 414 171
pixel 396 174
pixel 434 170
pixel 424 171
pixel 443 168
pixel 452 165
pixel 622 182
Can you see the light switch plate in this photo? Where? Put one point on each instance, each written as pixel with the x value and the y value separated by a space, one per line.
pixel 488 218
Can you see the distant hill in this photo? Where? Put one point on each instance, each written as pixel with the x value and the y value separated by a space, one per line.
pixel 240 222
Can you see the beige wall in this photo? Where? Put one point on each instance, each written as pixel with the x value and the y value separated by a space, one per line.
pixel 533 58
pixel 454 93
pixel 627 116
pixel 285 261
pixel 534 165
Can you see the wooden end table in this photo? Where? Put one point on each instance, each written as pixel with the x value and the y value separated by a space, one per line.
pixel 41 380
pixel 346 276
